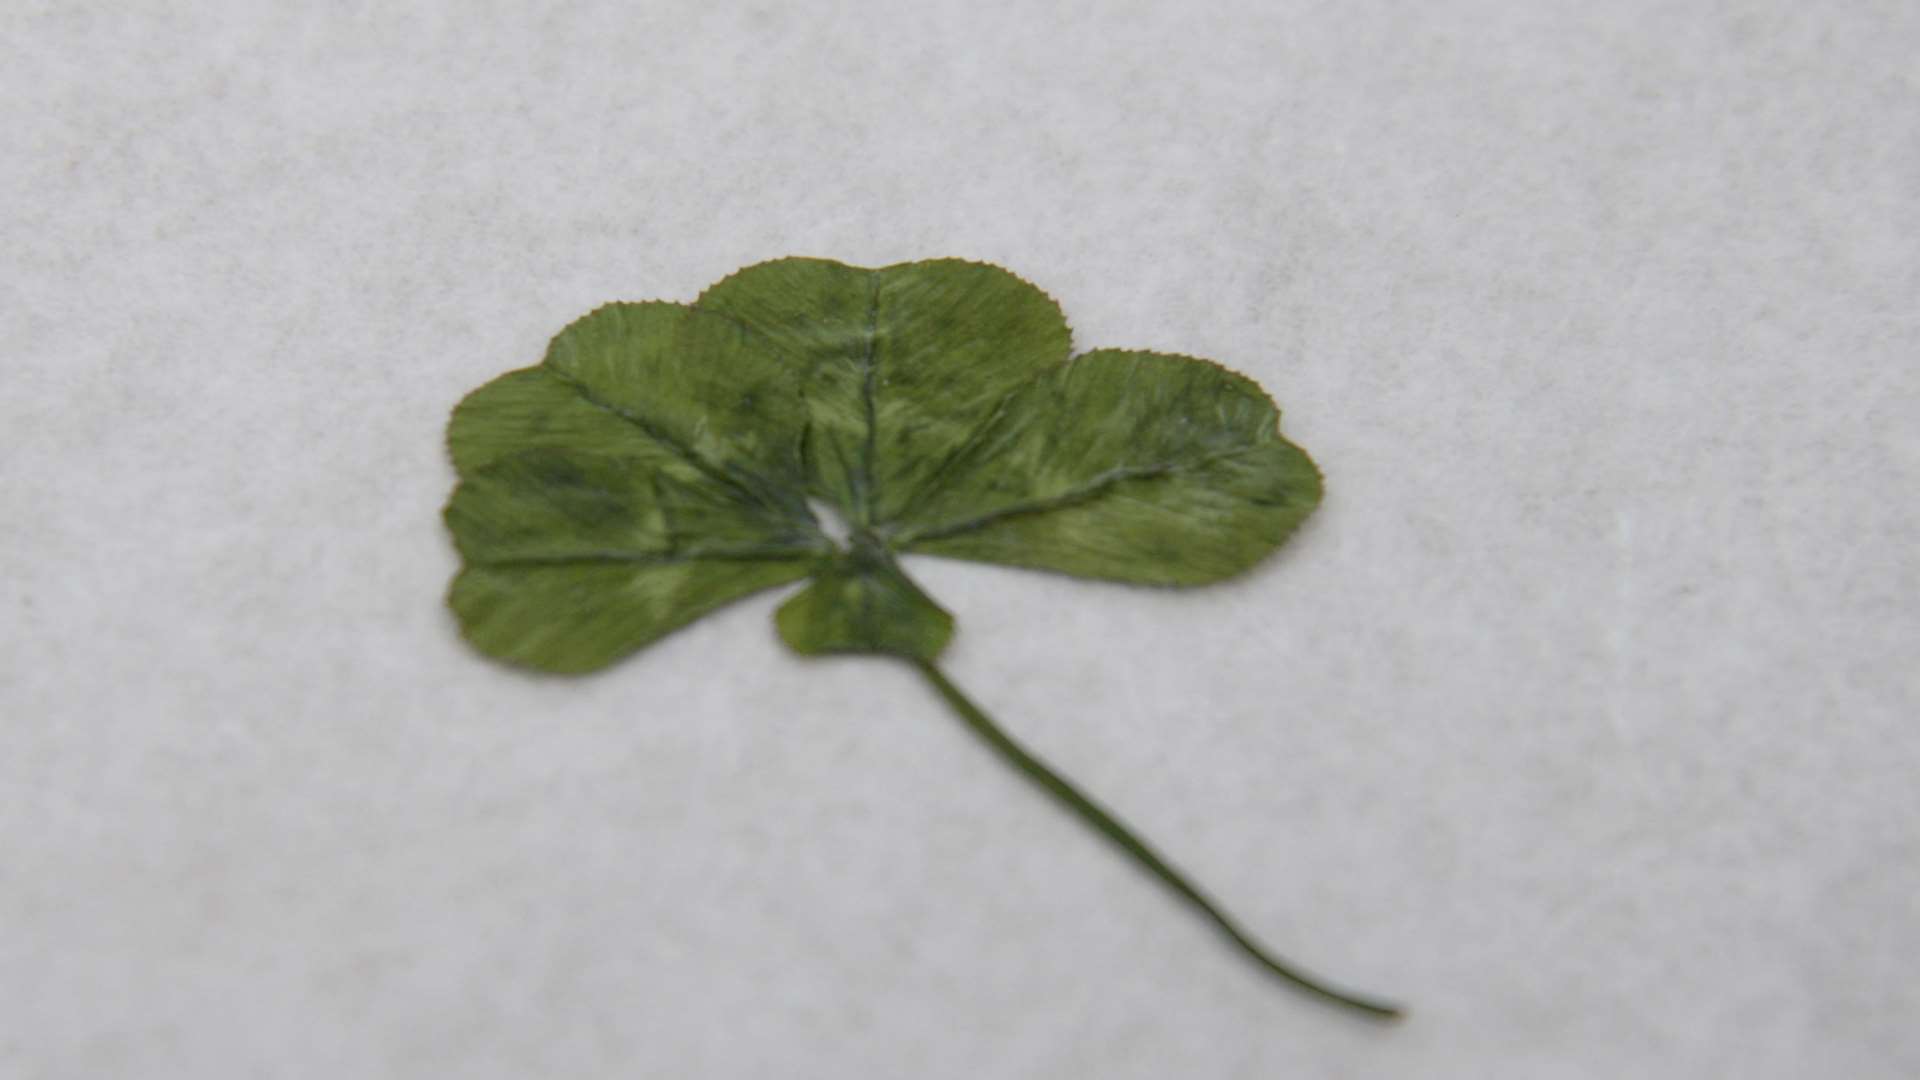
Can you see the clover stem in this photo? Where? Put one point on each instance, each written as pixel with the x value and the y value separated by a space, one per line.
pixel 1096 816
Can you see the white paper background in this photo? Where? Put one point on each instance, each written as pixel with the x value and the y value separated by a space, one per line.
pixel 1582 718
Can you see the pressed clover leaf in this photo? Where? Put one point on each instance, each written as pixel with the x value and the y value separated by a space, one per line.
pixel 664 459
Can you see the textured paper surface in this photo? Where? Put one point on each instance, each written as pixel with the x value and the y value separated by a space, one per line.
pixel 1581 718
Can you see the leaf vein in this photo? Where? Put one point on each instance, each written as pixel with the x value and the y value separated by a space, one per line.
pixel 688 454
pixel 771 553
pixel 1086 492
pixel 869 365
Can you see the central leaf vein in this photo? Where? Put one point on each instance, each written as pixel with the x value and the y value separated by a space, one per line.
pixel 751 488
pixel 761 553
pixel 869 363
pixel 1092 489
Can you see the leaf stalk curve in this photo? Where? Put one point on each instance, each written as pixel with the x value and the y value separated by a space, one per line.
pixel 1104 822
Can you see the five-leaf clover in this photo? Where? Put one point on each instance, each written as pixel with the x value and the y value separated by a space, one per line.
pixel 665 459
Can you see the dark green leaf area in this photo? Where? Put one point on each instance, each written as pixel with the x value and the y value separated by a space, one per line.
pixel 551 505
pixel 901 365
pixel 1133 466
pixel 574 560
pixel 860 602
pixel 577 617
pixel 681 392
